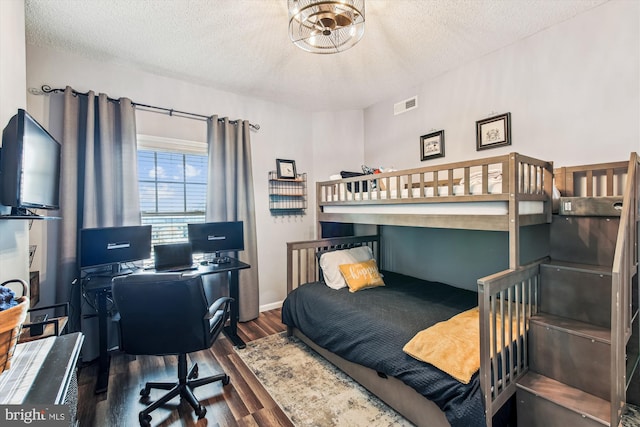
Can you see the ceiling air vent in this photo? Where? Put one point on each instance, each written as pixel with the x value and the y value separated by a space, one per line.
pixel 406 105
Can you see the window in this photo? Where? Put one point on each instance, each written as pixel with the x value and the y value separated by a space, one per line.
pixel 172 177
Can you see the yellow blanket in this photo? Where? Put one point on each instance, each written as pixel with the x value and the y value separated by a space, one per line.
pixel 453 346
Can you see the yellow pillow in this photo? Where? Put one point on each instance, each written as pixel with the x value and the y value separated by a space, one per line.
pixel 361 275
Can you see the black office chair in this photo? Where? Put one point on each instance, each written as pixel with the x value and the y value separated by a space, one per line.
pixel 164 314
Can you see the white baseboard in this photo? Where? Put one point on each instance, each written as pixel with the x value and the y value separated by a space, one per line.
pixel 271 306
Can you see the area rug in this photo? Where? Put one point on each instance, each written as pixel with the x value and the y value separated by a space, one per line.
pixel 631 417
pixel 310 390
pixel 313 392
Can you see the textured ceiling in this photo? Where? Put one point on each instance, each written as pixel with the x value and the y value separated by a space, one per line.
pixel 242 46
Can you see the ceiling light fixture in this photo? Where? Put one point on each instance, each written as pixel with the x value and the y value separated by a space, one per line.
pixel 323 26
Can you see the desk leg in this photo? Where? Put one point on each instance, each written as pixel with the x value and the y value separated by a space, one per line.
pixel 104 361
pixel 231 331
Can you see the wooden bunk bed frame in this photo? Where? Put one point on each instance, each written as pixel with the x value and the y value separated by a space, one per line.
pixel 524 179
pixel 508 296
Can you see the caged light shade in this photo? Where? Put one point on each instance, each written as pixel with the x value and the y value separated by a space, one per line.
pixel 323 26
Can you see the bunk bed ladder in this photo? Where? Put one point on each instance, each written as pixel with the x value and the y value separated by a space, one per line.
pixel 584 345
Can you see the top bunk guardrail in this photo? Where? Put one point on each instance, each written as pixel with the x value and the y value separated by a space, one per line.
pixel 595 189
pixel 499 193
pixel 596 180
pixel 489 179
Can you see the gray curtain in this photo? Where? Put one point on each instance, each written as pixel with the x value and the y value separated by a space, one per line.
pixel 230 198
pixel 99 178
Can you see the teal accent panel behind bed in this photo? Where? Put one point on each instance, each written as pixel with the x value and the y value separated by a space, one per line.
pixel 457 257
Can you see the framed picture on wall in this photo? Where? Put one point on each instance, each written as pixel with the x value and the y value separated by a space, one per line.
pixel 286 169
pixel 493 132
pixel 432 145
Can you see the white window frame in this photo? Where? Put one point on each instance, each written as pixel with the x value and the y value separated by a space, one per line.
pixel 173 145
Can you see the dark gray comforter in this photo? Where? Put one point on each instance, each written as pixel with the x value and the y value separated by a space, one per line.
pixel 371 326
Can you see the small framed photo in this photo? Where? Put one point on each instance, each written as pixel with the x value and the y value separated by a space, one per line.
pixel 432 145
pixel 286 169
pixel 493 132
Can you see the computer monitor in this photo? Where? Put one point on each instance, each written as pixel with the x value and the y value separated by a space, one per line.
pixel 114 245
pixel 216 237
pixel 29 166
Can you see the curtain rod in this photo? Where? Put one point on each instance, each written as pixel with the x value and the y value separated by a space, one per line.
pixel 144 107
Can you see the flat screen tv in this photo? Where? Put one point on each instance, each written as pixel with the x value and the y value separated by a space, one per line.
pixel 114 246
pixel 29 166
pixel 216 237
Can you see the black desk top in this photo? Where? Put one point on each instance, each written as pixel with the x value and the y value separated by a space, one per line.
pixel 103 282
pixel 233 264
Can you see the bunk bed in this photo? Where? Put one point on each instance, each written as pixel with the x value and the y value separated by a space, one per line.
pixel 510 297
pixel 502 193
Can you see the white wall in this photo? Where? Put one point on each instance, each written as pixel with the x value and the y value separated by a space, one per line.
pixel 573 91
pixel 14 237
pixel 284 133
pixel 338 144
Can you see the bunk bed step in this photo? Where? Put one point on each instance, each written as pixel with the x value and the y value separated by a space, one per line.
pixel 576 291
pixel 586 240
pixel 591 206
pixel 565 349
pixel 545 402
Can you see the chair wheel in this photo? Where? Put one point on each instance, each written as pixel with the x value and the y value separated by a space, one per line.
pixel 144 393
pixel 201 412
pixel 145 420
pixel 226 380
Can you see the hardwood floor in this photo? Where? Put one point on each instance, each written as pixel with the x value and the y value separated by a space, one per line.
pixel 243 402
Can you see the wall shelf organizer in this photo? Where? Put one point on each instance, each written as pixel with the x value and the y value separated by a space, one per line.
pixel 287 196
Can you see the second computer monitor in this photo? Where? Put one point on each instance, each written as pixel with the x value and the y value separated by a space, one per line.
pixel 216 237
pixel 114 245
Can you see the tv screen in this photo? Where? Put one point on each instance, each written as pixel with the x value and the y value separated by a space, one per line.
pixel 214 237
pixel 114 245
pixel 29 165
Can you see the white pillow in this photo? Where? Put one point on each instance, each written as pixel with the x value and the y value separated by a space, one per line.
pixel 475 178
pixel 330 262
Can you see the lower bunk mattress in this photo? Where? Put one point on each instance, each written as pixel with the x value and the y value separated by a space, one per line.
pixel 370 327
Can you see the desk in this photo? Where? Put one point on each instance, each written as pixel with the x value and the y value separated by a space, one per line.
pixel 100 287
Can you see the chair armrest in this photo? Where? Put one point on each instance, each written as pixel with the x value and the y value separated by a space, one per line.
pixel 217 305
